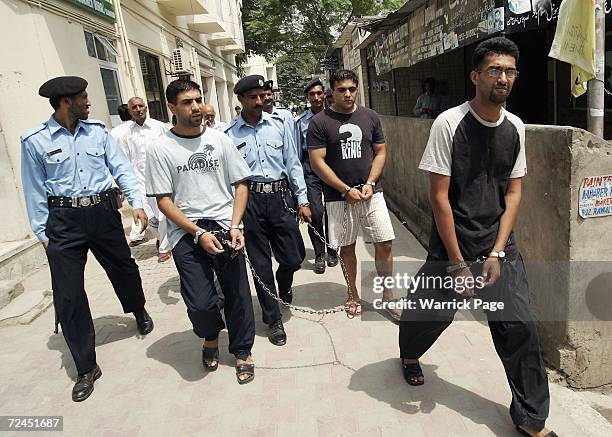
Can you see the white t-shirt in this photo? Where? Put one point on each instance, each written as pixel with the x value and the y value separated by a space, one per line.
pixel 197 174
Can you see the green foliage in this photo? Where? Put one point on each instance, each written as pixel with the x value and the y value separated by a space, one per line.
pixel 296 33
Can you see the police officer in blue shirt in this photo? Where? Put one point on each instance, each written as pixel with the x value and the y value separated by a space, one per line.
pixel 266 143
pixel 68 164
pixel 270 108
pixel 315 93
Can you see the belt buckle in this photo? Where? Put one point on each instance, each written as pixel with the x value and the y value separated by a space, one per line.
pixel 85 201
pixel 74 201
pixel 267 187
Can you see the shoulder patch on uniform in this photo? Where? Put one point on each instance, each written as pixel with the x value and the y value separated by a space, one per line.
pixel 33 131
pixel 97 122
pixel 230 124
pixel 277 117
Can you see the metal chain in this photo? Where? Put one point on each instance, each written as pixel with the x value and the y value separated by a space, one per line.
pixel 305 310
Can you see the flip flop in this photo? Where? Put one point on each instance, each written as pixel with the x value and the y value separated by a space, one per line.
pixel 210 354
pixel 396 314
pixel 412 372
pixel 245 369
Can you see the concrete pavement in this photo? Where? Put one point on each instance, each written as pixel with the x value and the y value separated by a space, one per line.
pixel 335 376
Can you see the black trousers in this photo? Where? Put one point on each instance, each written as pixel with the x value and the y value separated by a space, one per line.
pixel 72 232
pixel 314 186
pixel 197 269
pixel 513 331
pixel 268 225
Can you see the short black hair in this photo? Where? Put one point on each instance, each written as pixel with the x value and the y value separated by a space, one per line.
pixel 179 86
pixel 499 46
pixel 340 75
pixel 124 113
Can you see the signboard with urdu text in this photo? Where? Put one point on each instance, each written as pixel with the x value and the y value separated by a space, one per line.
pixel 101 8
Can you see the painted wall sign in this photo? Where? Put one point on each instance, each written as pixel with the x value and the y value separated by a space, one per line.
pixel 595 197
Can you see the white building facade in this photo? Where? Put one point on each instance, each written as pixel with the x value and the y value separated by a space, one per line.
pixel 123 49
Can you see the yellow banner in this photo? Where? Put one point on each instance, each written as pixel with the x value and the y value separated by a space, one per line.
pixel 574 41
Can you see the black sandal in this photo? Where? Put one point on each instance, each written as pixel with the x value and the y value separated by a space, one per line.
pixel 245 369
pixel 526 434
pixel 412 372
pixel 210 354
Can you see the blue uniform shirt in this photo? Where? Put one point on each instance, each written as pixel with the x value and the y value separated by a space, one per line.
pixel 301 129
pixel 55 162
pixel 269 150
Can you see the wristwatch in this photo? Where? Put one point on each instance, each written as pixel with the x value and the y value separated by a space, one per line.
pixel 371 183
pixel 303 205
pixel 235 227
pixel 197 236
pixel 501 255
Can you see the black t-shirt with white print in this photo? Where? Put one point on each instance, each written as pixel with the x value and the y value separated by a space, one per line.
pixel 348 139
pixel 480 157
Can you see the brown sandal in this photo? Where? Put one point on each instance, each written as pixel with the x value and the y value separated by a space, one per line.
pixel 245 369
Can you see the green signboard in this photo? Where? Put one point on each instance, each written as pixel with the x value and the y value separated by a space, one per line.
pixel 101 8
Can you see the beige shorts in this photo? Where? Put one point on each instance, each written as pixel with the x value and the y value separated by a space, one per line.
pixel 372 217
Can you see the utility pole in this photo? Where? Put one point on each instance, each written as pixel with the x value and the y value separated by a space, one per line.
pixel 596 93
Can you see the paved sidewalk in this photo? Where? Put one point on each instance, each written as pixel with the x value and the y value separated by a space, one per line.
pixel 335 377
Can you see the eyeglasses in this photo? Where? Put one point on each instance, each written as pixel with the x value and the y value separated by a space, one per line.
pixel 511 73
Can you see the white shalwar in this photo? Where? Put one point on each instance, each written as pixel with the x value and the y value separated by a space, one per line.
pixel 134 140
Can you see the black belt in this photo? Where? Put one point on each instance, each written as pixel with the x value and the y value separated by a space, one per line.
pixel 268 187
pixel 79 202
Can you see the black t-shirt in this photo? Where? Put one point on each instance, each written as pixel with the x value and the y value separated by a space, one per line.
pixel 348 139
pixel 480 157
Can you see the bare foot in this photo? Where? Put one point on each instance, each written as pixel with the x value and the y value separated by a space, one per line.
pixel 162 257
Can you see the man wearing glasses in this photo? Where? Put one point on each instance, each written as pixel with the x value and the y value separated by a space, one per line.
pixel 475 157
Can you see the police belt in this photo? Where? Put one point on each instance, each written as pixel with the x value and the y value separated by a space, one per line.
pixel 79 202
pixel 268 187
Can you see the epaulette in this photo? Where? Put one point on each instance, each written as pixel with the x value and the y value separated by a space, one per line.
pixel 33 131
pixel 94 122
pixel 277 117
pixel 230 124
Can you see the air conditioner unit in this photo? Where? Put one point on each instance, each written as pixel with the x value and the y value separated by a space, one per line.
pixel 180 61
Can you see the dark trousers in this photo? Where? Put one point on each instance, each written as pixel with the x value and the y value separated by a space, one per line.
pixel 197 269
pixel 514 335
pixel 72 232
pixel 268 225
pixel 319 218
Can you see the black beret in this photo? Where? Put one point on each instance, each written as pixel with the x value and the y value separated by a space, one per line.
pixel 268 84
pixel 248 83
pixel 328 92
pixel 62 86
pixel 315 81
